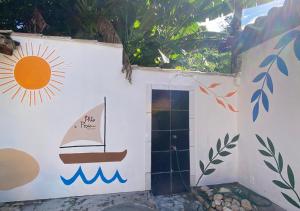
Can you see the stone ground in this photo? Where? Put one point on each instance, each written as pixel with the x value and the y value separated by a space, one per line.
pixel 233 197
pixel 133 201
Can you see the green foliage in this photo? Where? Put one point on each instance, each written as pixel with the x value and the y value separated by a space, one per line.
pixel 16 15
pixel 220 151
pixel 253 3
pixel 205 59
pixel 154 32
pixel 168 34
pixel 284 183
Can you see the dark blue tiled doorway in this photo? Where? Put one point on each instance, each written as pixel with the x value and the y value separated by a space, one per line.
pixel 170 159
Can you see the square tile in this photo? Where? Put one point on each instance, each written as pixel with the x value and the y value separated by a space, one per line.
pixel 179 100
pixel 179 120
pixel 160 140
pixel 161 100
pixel 160 162
pixel 161 120
pixel 180 182
pixel 180 160
pixel 180 139
pixel 161 183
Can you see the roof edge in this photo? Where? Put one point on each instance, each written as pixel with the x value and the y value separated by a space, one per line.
pixel 65 38
pixel 163 70
pixel 278 21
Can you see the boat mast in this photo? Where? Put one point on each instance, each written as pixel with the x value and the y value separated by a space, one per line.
pixel 104 124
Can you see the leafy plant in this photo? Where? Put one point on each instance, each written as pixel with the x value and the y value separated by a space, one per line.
pixel 265 77
pixel 214 158
pixel 283 183
pixel 153 32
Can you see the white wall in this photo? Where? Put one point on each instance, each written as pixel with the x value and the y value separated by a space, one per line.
pixel 280 124
pixel 93 70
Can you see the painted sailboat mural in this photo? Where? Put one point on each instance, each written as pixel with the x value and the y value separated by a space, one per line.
pixel 88 128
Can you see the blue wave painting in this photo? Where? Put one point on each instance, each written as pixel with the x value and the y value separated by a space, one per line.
pixel 99 174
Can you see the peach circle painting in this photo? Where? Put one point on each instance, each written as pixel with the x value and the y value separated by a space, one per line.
pixel 32 74
pixel 17 168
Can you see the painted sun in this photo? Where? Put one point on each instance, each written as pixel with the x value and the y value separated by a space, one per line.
pixel 32 75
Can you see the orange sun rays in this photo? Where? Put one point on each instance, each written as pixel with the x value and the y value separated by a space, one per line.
pixel 32 74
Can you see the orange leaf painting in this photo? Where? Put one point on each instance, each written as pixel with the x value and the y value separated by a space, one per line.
pixel 220 99
pixel 231 108
pixel 203 90
pixel 214 85
pixel 230 94
pixel 220 102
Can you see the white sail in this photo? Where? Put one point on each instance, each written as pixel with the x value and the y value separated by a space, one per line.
pixel 87 127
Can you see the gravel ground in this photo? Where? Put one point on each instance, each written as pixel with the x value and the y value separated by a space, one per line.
pixel 133 201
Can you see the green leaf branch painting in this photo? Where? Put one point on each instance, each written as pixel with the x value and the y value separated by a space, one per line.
pixel 260 95
pixel 214 157
pixel 285 183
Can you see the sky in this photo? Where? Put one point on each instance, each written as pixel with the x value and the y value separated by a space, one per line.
pixel 249 16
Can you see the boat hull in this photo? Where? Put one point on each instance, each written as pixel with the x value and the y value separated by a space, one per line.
pixel 92 157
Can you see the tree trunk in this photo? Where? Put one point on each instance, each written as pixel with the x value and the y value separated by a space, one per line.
pixel 235 26
pixel 236 23
pixel 109 34
pixel 38 22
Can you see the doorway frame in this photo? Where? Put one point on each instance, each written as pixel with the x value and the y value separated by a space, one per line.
pixel 192 135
